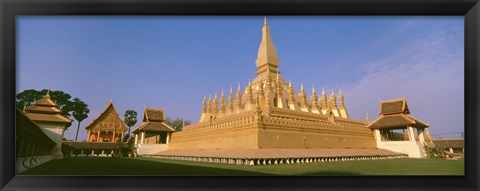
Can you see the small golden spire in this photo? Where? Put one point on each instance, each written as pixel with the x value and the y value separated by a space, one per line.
pixel 47 95
pixel 366 116
pixel 238 90
pixel 204 104
pixel 264 20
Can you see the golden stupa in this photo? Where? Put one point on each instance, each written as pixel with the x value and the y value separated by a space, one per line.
pixel 268 113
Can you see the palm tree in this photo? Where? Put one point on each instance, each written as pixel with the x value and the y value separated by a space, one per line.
pixel 80 112
pixel 130 118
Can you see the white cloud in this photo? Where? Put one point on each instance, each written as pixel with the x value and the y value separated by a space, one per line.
pixel 429 72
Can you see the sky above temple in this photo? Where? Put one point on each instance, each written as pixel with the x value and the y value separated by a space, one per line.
pixel 171 62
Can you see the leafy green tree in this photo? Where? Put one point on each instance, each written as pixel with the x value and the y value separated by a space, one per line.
pixel 130 118
pixel 80 112
pixel 177 123
pixel 61 99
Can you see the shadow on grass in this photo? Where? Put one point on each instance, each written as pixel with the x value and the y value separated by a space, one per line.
pixel 126 166
pixel 331 173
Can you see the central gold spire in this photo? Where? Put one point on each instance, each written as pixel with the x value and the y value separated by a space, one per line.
pixel 267 58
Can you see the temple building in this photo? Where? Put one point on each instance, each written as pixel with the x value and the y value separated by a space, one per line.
pixel 267 122
pixel 153 135
pixel 46 115
pixel 106 127
pixel 33 146
pixel 396 130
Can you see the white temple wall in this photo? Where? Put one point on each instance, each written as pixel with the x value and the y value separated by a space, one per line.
pixel 413 148
pixel 55 132
pixel 150 148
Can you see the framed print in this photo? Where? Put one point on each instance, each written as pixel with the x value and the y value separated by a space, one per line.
pixel 239 95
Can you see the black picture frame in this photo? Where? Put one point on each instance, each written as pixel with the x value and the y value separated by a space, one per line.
pixel 9 9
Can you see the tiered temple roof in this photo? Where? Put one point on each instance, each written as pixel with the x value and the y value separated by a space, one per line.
pixel 45 110
pixel 395 113
pixel 153 121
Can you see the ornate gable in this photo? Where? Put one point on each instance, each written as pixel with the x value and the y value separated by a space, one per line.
pixel 107 119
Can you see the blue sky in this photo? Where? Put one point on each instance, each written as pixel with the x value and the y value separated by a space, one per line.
pixel 171 62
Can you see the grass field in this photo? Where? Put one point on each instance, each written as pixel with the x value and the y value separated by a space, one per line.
pixel 148 166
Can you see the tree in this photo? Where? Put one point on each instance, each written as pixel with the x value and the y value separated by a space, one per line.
pixel 130 118
pixel 177 123
pixel 80 112
pixel 61 99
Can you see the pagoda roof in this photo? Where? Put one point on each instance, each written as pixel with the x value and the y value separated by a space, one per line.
pixel 42 109
pixel 48 117
pixel 394 106
pixel 154 126
pixel 108 111
pixel 396 120
pixel 45 110
pixel 45 100
pixel 153 114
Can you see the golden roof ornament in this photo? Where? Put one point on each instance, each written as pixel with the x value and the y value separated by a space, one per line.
pixel 267 57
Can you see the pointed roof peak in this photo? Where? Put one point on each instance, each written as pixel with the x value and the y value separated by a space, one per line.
pixel 265 20
pixel 47 95
pixel 313 90
pixel 267 53
pixel 301 86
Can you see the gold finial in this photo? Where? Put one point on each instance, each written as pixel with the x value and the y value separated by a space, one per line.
pixel 238 87
pixel 301 86
pixel 313 90
pixel 265 20
pixel 289 84
pixel 340 92
pixel 47 95
pixel 231 87
pixel 367 120
pixel 222 92
pixel 323 92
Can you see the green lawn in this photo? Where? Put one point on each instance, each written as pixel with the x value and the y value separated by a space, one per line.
pixel 148 166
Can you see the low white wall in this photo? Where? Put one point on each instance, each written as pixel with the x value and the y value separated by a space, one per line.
pixel 150 148
pixel 25 163
pixel 413 148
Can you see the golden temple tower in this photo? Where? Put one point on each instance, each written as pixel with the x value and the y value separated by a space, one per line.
pixel 270 114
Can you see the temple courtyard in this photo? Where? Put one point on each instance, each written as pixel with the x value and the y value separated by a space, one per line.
pixel 151 166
